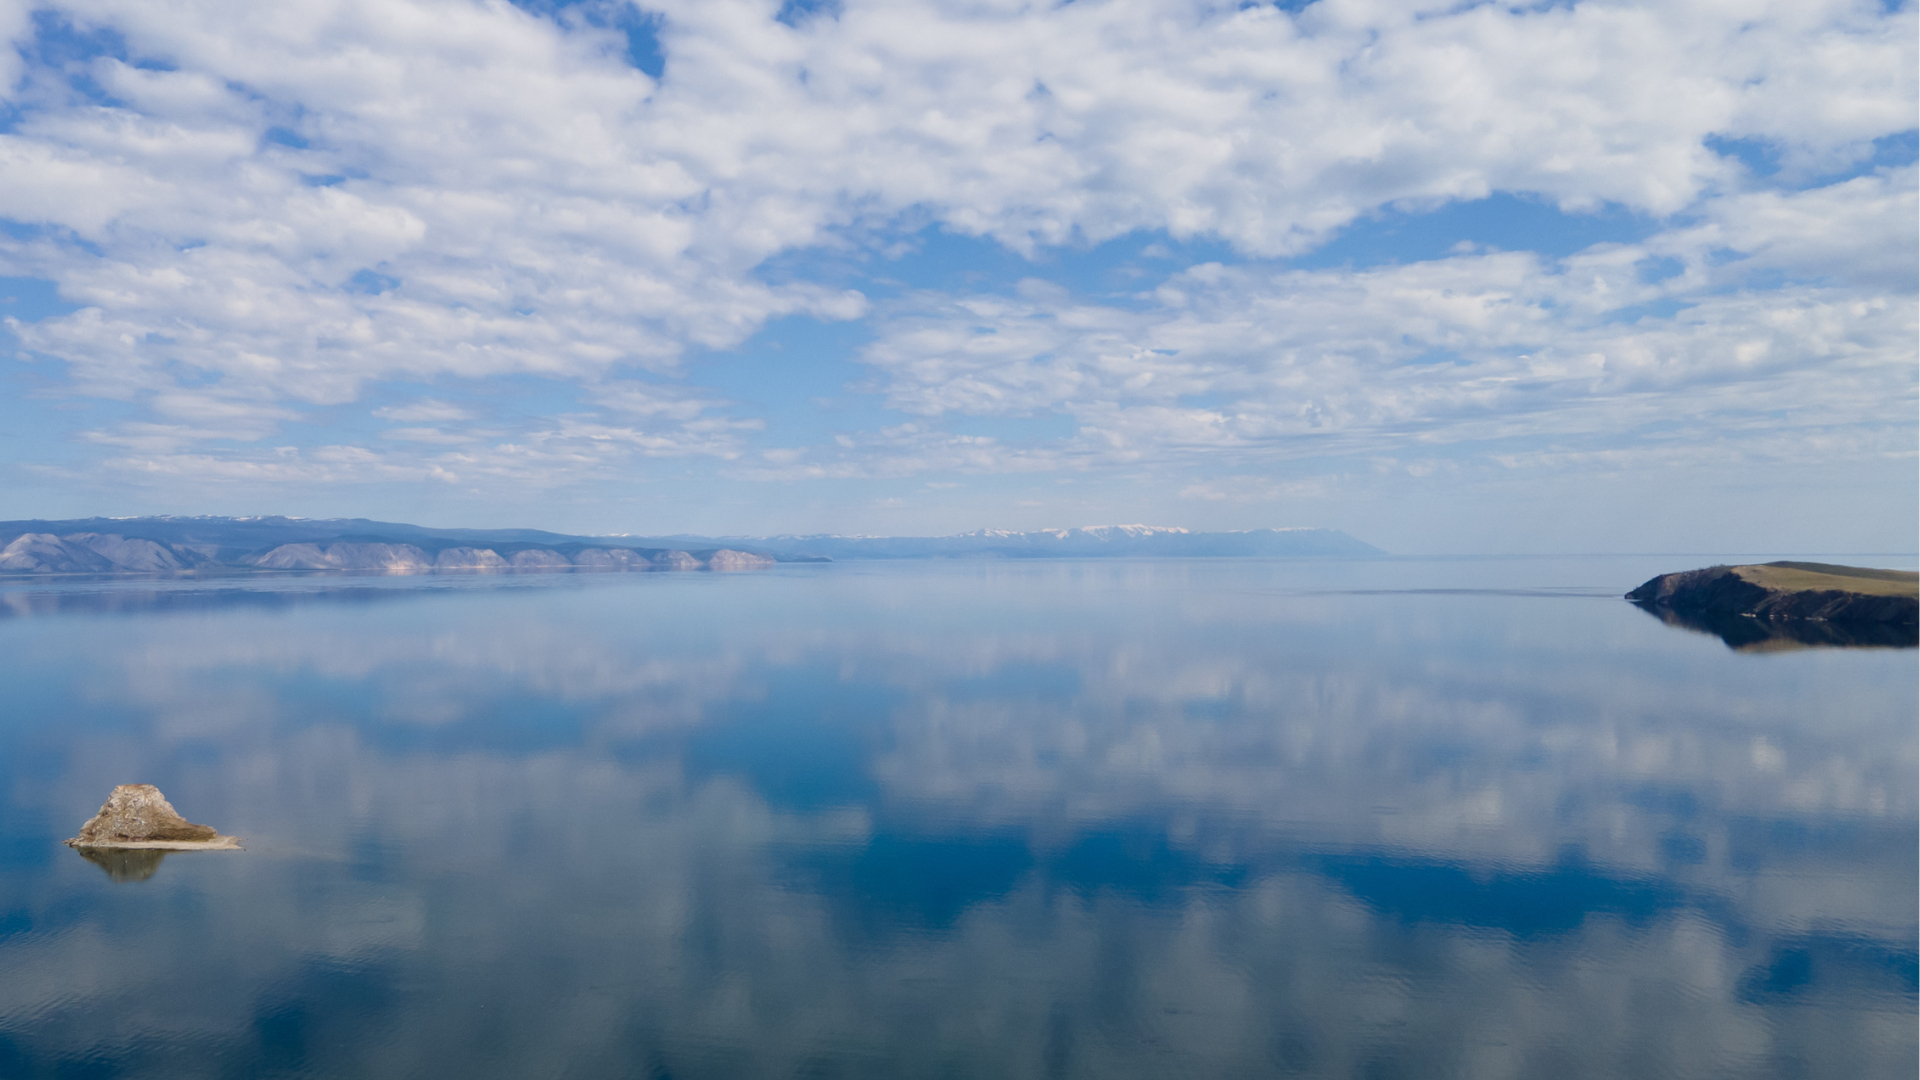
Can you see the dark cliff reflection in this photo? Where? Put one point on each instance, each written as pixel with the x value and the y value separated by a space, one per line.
pixel 1233 819
pixel 1743 634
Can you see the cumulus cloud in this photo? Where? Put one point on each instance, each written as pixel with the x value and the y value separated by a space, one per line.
pixel 1247 489
pixel 901 451
pixel 263 212
pixel 425 409
pixel 1472 347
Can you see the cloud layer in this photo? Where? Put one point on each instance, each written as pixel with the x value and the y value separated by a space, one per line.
pixel 263 222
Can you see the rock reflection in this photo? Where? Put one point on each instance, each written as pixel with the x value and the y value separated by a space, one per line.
pixel 125 865
pixel 1744 634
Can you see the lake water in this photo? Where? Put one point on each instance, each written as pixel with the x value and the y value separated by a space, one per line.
pixel 1469 818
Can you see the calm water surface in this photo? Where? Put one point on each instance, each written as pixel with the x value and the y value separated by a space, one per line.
pixel 1097 819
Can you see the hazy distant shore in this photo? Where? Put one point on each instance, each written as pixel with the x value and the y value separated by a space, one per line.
pixel 212 545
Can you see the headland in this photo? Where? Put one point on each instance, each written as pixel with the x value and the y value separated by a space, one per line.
pixel 1799 602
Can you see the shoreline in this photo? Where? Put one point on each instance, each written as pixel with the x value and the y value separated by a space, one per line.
pixel 218 843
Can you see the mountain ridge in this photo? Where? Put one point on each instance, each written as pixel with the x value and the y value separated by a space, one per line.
pixel 183 544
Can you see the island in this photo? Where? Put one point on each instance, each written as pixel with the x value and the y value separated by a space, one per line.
pixel 1784 604
pixel 138 816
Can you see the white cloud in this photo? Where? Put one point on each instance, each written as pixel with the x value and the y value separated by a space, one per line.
pixel 425 435
pixel 485 192
pixel 1852 231
pixel 655 401
pixel 1472 347
pixel 625 423
pixel 901 451
pixel 1253 489
pixel 424 410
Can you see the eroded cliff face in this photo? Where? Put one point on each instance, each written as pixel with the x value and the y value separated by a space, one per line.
pixel 612 559
pixel 467 558
pixel 729 560
pixel 105 553
pixel 346 556
pixel 1779 592
pixel 406 558
pixel 93 553
pixel 676 560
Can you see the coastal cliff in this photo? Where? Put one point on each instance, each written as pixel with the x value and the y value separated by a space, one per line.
pixel 97 553
pixel 408 558
pixel 222 545
pixel 1789 591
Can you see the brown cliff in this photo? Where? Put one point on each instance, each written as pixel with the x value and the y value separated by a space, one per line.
pixel 1803 601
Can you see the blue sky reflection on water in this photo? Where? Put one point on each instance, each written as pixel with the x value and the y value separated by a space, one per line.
pixel 1081 819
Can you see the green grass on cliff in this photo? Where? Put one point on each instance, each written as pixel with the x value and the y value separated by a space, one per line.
pixel 1826 577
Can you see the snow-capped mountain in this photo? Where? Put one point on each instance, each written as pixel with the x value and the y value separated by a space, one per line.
pixel 1091 541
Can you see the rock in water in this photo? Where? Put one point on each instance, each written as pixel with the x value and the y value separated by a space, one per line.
pixel 138 815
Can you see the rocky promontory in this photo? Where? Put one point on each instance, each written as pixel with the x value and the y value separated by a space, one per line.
pixel 1886 603
pixel 138 816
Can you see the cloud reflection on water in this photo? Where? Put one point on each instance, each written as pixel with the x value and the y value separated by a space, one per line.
pixel 981 820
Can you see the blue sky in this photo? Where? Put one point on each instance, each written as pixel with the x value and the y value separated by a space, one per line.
pixel 1452 277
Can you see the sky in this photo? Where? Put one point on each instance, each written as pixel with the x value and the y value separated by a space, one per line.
pixel 1452 277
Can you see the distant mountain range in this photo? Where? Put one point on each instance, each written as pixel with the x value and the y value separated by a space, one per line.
pixel 221 544
pixel 1093 542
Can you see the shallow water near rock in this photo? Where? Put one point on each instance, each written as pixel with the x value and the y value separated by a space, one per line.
pixel 1450 818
